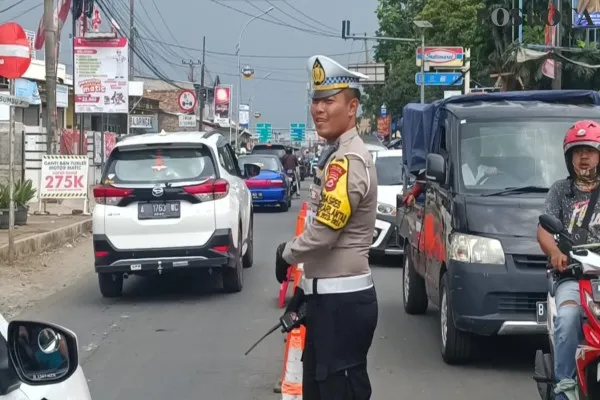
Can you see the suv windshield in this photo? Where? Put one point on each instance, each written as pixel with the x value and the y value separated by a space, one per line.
pixel 159 166
pixel 265 163
pixel 496 155
pixel 389 170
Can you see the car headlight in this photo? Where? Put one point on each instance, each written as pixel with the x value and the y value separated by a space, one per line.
pixel 476 249
pixel 386 209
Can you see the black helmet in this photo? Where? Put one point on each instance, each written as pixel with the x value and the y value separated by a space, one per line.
pixel 288 150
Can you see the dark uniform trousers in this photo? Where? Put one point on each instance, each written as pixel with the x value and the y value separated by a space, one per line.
pixel 339 333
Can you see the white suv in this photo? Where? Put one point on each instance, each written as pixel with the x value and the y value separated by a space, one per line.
pixel 172 201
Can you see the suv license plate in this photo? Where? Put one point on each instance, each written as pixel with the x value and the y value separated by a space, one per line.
pixel 159 210
pixel 541 312
pixel 257 196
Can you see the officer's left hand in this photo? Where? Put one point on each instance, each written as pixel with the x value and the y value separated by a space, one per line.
pixel 281 266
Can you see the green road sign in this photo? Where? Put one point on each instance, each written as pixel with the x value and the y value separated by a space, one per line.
pixel 297 132
pixel 265 132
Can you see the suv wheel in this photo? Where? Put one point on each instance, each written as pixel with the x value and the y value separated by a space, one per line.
pixel 248 259
pixel 111 285
pixel 233 277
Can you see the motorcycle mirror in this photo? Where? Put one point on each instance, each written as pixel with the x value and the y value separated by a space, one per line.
pixel 551 224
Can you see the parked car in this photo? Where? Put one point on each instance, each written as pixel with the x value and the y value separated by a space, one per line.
pixel 271 186
pixel 388 165
pixel 39 361
pixel 172 201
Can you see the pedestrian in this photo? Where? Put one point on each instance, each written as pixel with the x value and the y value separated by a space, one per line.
pixel 338 287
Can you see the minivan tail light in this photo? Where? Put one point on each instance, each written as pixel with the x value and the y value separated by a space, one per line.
pixel 212 190
pixel 109 195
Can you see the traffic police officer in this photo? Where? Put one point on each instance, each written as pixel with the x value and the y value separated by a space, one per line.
pixel 337 288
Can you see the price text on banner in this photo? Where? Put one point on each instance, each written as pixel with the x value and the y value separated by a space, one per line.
pixel 64 177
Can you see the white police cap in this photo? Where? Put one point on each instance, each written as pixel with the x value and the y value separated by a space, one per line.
pixel 328 77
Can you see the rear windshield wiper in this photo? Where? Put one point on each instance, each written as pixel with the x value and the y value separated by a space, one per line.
pixel 516 190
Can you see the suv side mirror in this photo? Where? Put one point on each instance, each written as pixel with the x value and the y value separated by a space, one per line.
pixel 436 168
pixel 251 170
pixel 42 353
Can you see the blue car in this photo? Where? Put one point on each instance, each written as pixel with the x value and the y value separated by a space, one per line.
pixel 271 187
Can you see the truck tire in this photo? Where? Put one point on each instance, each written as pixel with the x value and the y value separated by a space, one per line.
pixel 111 285
pixel 456 346
pixel 414 292
pixel 233 278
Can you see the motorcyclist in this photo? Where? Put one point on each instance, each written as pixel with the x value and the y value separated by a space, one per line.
pixel 568 200
pixel 290 161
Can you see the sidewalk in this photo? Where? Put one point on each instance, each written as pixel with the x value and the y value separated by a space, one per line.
pixel 43 232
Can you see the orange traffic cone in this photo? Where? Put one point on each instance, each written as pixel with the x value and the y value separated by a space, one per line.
pixel 291 384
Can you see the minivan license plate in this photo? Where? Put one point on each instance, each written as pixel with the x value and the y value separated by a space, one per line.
pixel 159 210
pixel 257 195
pixel 541 312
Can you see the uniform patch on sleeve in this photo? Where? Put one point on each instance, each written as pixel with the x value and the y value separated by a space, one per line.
pixel 334 208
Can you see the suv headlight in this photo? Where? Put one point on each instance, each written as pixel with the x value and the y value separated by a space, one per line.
pixel 386 209
pixel 476 249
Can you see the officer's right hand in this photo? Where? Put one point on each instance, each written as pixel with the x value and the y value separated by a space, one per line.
pixel 296 301
pixel 558 260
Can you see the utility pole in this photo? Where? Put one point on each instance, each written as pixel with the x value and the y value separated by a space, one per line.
pixel 131 39
pixel 50 29
pixel 557 81
pixel 203 93
pixel 366 50
pixel 191 64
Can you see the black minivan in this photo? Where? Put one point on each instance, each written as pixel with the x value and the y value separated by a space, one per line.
pixel 488 161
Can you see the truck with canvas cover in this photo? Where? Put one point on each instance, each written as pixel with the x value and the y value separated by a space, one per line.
pixel 486 162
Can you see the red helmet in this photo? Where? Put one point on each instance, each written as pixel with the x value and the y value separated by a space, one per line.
pixel 582 133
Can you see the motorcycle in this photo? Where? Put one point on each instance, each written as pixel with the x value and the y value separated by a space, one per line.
pixel 585 265
pixel 292 179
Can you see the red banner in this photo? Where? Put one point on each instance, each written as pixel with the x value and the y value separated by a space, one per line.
pixel 384 125
pixel 69 142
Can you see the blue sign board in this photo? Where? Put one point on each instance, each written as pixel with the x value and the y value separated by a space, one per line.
pixel 440 78
pixel 297 132
pixel 383 111
pixel 265 132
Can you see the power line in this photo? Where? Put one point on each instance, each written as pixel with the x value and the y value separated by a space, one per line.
pixel 12 6
pixel 311 31
pixel 308 16
pixel 30 9
pixel 246 55
pixel 294 18
pixel 102 5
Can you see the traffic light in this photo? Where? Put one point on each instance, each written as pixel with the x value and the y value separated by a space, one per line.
pixel 345 29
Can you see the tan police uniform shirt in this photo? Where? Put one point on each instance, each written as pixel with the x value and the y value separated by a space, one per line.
pixel 344 204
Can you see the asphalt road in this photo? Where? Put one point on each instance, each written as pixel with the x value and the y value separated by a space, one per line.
pixel 183 339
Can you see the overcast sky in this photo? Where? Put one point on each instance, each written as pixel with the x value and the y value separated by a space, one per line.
pixel 281 97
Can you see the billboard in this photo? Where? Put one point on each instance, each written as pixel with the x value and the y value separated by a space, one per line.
pixel 101 76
